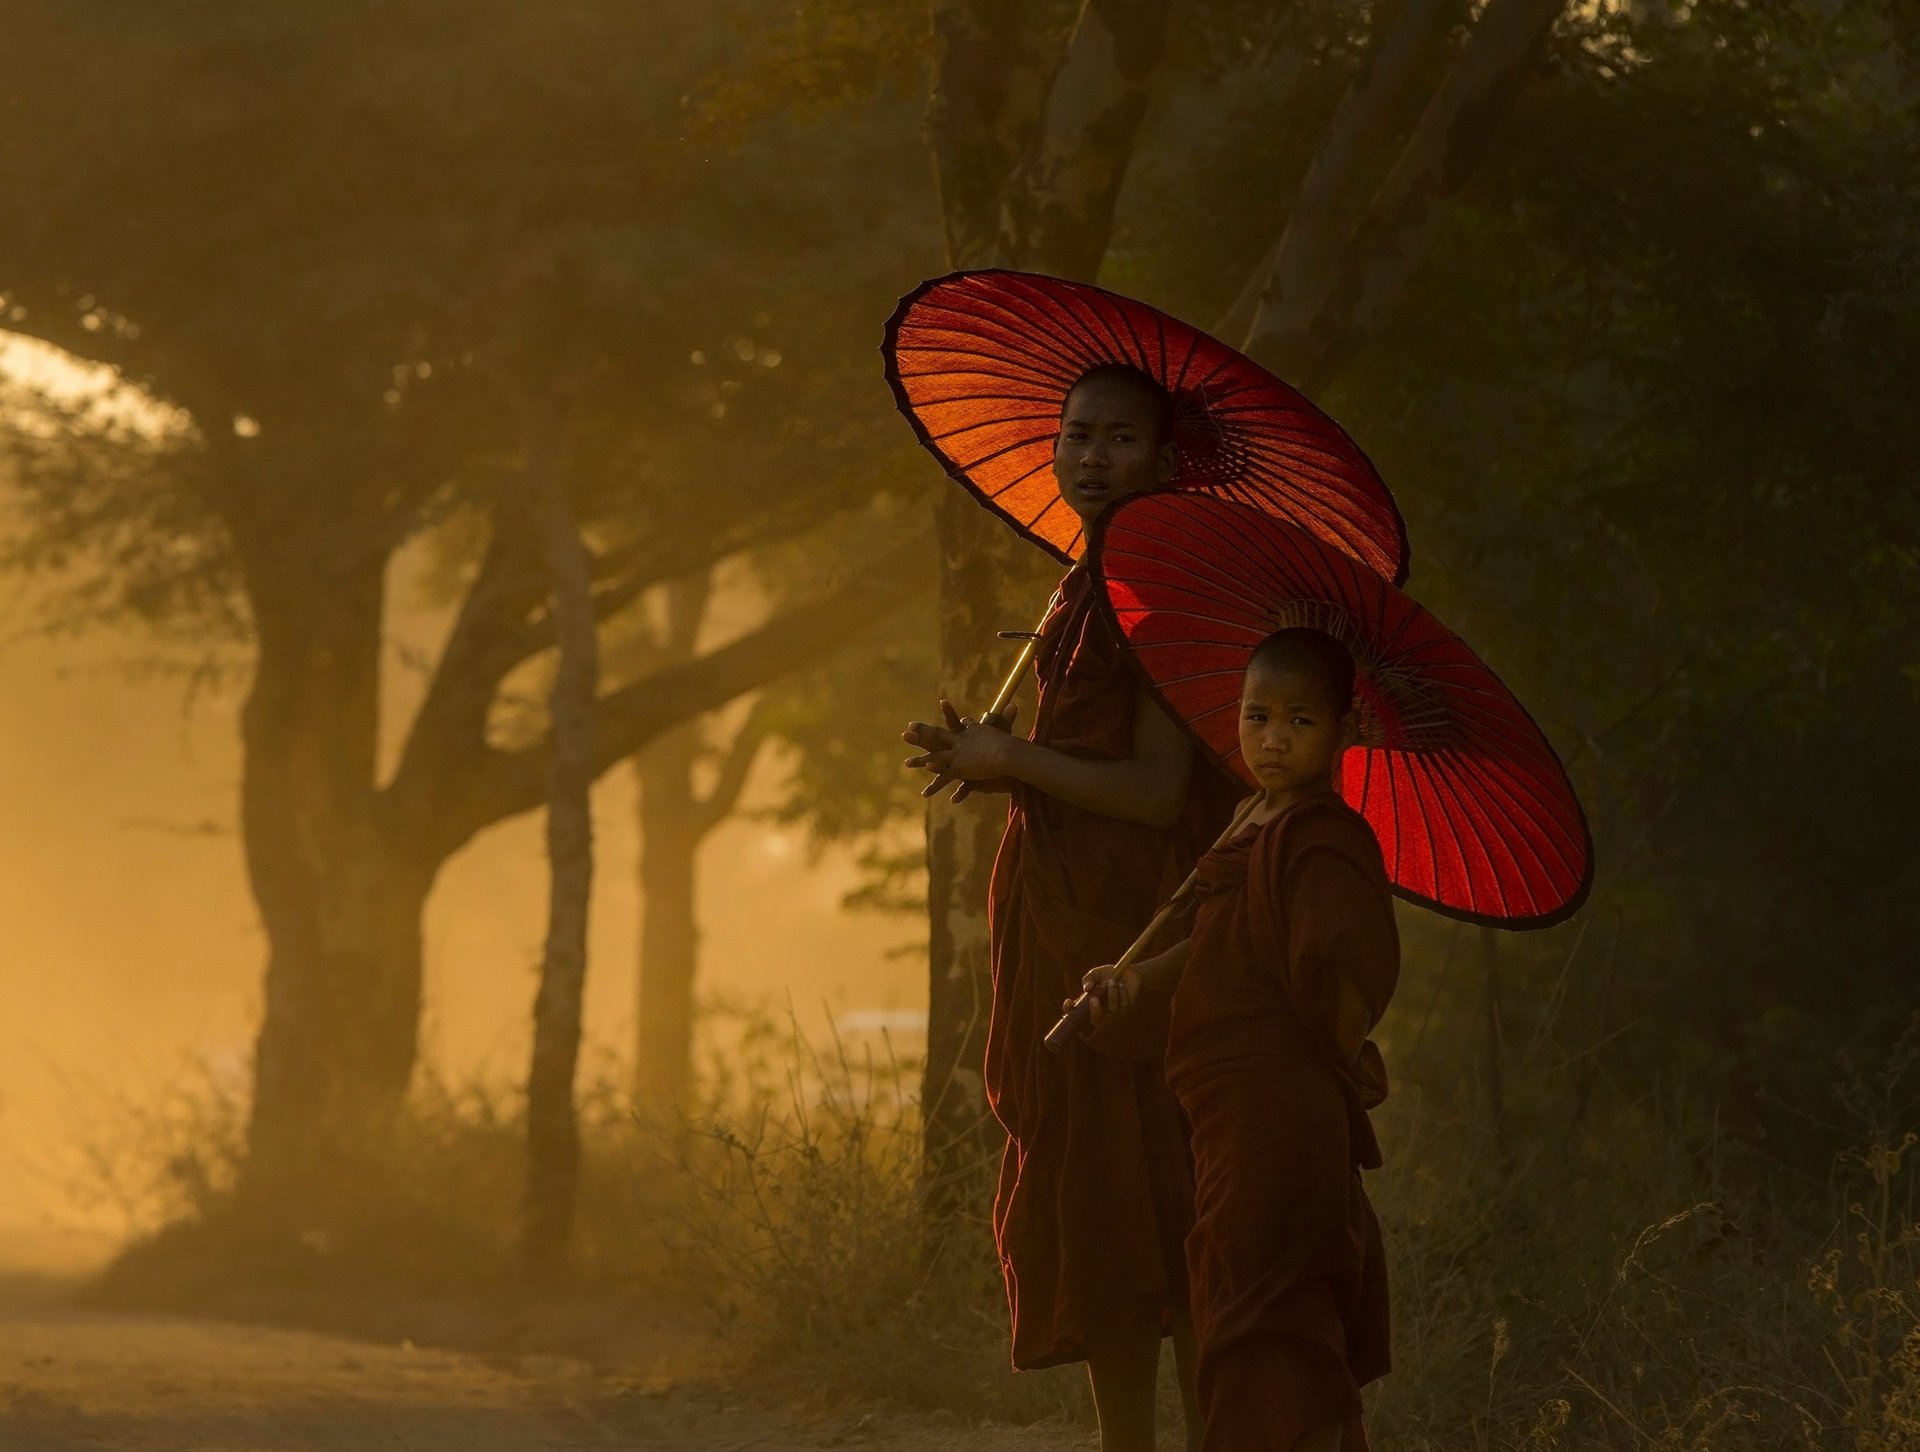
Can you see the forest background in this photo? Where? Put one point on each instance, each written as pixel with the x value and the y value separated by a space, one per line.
pixel 361 353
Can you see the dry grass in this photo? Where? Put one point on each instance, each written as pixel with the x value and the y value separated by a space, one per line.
pixel 802 1221
pixel 1628 1277
pixel 1644 1281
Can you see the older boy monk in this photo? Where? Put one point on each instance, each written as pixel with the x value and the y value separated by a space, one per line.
pixel 1109 813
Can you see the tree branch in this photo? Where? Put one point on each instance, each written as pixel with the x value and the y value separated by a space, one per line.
pixel 718 804
pixel 487 641
pixel 505 783
pixel 535 633
pixel 625 572
pixel 687 600
pixel 1304 341
pixel 1375 114
pixel 1452 136
pixel 503 623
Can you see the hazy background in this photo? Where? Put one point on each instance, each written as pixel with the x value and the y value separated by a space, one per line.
pixel 129 946
pixel 1621 296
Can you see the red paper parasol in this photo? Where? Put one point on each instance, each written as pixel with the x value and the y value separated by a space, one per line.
pixel 1475 815
pixel 981 362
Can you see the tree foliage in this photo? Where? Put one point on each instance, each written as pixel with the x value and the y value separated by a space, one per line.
pixel 1646 405
pixel 1645 398
pixel 356 248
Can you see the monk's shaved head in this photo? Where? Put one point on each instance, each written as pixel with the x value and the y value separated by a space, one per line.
pixel 1311 653
pixel 1156 403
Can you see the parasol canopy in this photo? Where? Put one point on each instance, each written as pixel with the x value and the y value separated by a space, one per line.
pixel 981 364
pixel 1474 812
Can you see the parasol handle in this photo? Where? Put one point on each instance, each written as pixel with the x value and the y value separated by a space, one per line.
pixel 1070 1024
pixel 997 716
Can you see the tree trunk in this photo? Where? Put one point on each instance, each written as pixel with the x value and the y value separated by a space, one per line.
pixel 341 915
pixel 553 1130
pixel 341 869
pixel 674 820
pixel 1029 152
pixel 670 834
pixel 1058 213
pixel 1289 293
pixel 1348 268
pixel 1494 1043
pixel 988 582
pixel 989 87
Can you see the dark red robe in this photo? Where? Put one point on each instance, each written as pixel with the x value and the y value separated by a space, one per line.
pixel 1288 1273
pixel 1096 1194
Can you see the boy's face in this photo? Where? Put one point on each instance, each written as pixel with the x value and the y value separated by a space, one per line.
pixel 1106 449
pixel 1291 733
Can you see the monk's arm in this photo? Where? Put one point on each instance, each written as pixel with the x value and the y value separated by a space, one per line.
pixel 1343 948
pixel 1352 1019
pixel 1149 787
pixel 1158 974
pixel 1161 973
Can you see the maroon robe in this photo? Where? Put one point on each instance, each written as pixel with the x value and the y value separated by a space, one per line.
pixel 1096 1194
pixel 1287 1268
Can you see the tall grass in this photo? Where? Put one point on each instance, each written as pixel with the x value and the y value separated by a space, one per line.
pixel 803 1220
pixel 1599 1272
pixel 1644 1280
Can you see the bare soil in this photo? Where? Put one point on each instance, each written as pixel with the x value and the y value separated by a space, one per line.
pixel 77 1380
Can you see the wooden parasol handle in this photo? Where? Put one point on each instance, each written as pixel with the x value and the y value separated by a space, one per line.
pixel 1080 1012
pixel 998 715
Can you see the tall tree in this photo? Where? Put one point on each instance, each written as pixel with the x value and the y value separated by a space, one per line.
pixel 675 817
pixel 1030 140
pixel 553 1131
pixel 312 302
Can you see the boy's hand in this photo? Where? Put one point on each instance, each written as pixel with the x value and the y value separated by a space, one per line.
pixel 963 748
pixel 1114 989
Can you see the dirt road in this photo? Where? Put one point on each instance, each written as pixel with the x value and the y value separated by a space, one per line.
pixel 85 1381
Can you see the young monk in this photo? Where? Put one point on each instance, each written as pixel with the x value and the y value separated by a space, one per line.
pixel 1292 959
pixel 1108 814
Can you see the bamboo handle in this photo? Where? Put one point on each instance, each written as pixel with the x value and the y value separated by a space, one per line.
pixel 1069 1025
pixel 997 716
pixel 1067 1028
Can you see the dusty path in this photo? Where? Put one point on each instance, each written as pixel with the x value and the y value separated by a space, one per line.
pixel 82 1382
pixel 85 1381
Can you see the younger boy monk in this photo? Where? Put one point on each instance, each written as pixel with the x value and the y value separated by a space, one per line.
pixel 1292 959
pixel 1108 814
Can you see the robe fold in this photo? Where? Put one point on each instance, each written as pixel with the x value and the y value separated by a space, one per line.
pixel 1095 1194
pixel 1287 1269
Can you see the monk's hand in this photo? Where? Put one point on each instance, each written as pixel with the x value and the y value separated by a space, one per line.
pixel 1114 989
pixel 933 741
pixel 957 722
pixel 964 748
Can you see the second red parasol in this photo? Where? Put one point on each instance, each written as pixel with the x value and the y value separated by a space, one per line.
pixel 1474 812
